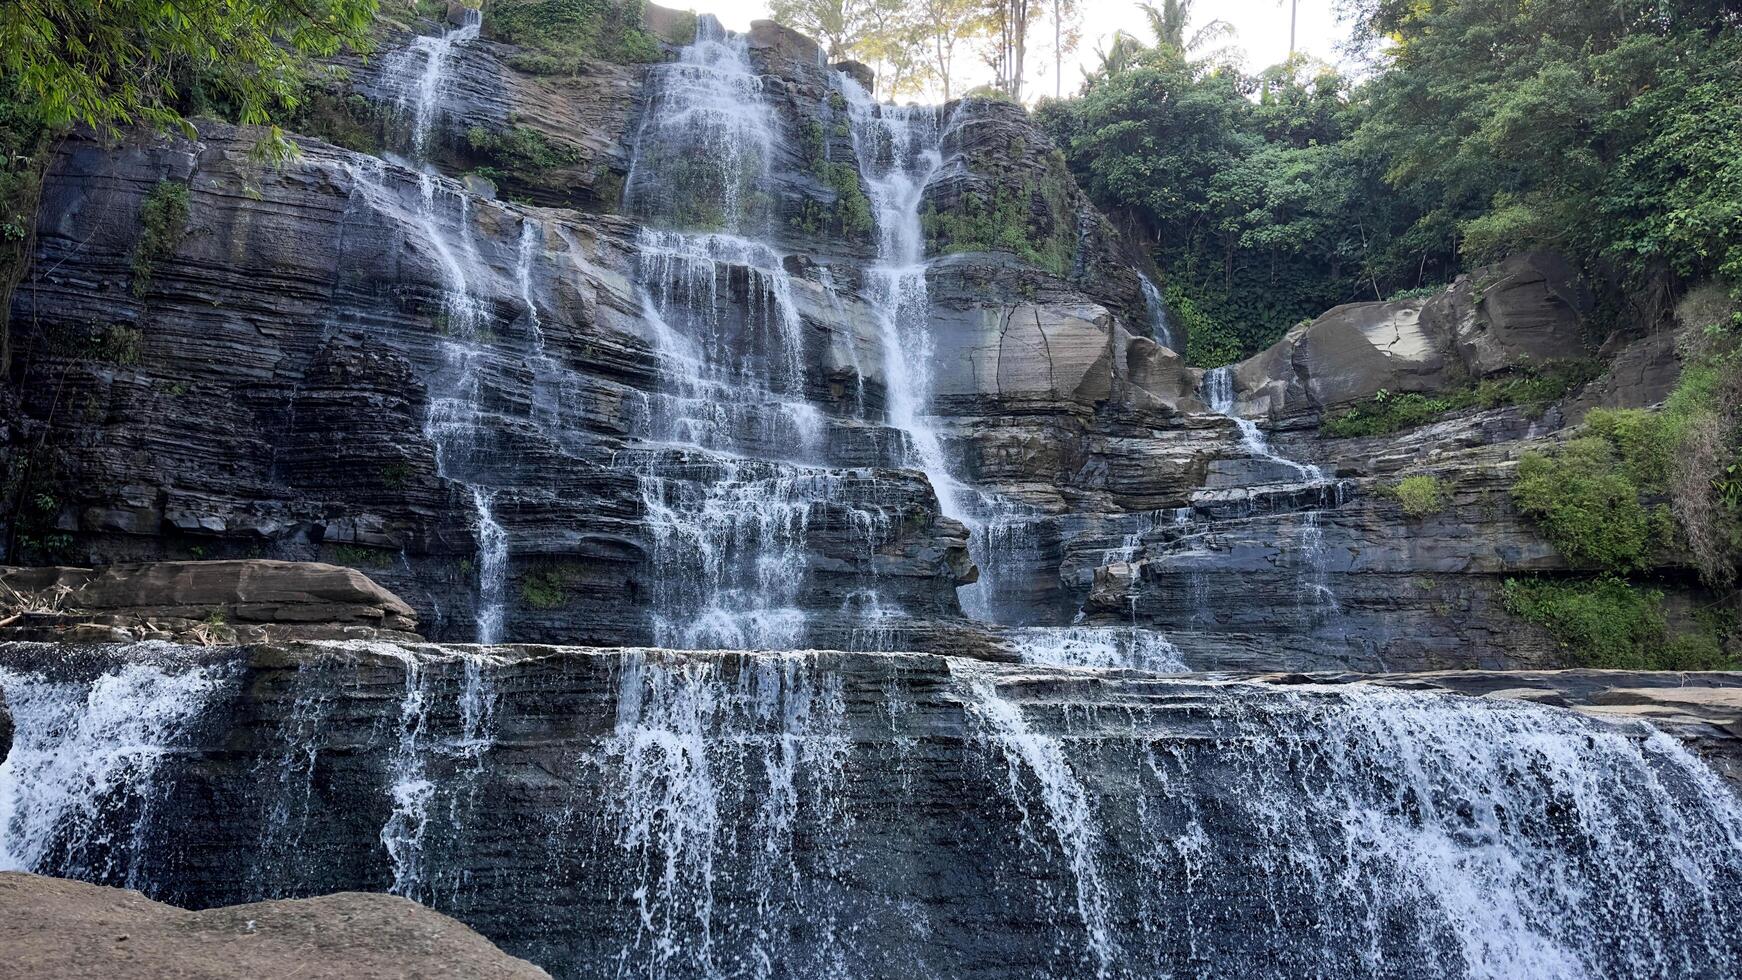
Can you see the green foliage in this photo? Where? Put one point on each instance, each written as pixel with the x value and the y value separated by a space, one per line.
pixel 519 154
pixel 163 222
pixel 1420 495
pixel 1610 130
pixel 342 119
pixel 1587 505
pixel 1006 223
pixel 1533 388
pixel 111 63
pixel 544 589
pixel 1610 624
pixel 1208 343
pixel 363 556
pixel 852 207
pixel 24 141
pixel 119 345
pixel 562 35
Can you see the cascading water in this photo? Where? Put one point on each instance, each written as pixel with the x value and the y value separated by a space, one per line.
pixel 455 418
pixel 79 777
pixel 708 815
pixel 1131 647
pixel 1218 390
pixel 733 463
pixel 1159 328
pixel 706 138
pixel 419 75
pixel 899 151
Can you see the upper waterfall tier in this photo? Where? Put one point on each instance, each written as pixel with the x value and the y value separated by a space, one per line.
pixel 776 363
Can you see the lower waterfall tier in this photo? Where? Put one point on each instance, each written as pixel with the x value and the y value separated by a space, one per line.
pixel 677 814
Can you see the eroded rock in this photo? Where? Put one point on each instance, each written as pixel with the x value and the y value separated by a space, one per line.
pixel 55 928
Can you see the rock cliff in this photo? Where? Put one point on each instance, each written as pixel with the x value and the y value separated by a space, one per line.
pixel 719 352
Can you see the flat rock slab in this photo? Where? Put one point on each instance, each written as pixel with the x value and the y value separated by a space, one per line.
pixel 50 927
pixel 240 591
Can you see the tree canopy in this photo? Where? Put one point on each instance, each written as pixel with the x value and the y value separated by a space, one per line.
pixel 113 63
pixel 1610 130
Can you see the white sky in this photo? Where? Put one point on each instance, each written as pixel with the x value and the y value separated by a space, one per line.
pixel 1261 33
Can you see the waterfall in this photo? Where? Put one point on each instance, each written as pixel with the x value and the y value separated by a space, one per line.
pixel 455 417
pixel 899 152
pixel 79 777
pixel 1069 813
pixel 418 73
pixel 524 259
pixel 680 815
pixel 706 138
pixel 1157 308
pixel 704 757
pixel 733 463
pixel 1218 390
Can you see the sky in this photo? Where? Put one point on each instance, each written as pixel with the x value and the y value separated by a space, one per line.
pixel 1261 32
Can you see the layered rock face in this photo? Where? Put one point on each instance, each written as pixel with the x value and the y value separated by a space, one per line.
pixel 763 364
pixel 705 426
pixel 727 814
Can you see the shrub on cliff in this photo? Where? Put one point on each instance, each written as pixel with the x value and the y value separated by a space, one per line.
pixel 163 222
pixel 1609 623
pixel 1589 508
pixel 1420 496
pixel 561 35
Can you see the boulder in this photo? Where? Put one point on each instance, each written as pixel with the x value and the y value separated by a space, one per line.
pixel 858 71
pixel 778 46
pixel 51 927
pixel 242 592
pixel 1354 351
pixel 1526 308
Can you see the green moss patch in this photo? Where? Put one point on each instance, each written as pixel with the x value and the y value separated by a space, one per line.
pixel 163 222
pixel 560 36
pixel 1533 388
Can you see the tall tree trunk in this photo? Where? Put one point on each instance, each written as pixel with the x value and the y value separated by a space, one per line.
pixel 1058 50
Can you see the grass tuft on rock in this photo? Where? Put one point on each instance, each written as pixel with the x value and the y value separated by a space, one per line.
pixel 163 222
pixel 1420 496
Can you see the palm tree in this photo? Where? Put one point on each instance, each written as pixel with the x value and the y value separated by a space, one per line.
pixel 1170 21
pixel 1121 53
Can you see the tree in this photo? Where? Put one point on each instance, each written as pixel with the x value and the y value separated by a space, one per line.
pixel 942 26
pixel 113 63
pixel 1064 38
pixel 108 64
pixel 1010 20
pixel 840 24
pixel 895 46
pixel 1170 22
